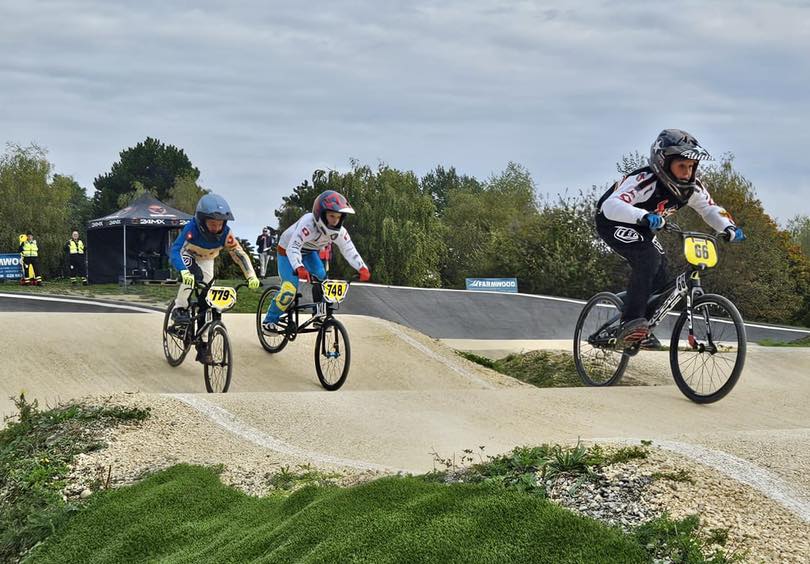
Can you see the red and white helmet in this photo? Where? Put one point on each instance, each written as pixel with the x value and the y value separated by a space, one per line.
pixel 330 200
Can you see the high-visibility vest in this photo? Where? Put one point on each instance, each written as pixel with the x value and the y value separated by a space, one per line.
pixel 30 249
pixel 76 247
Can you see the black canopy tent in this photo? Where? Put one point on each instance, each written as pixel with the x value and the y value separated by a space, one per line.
pixel 126 244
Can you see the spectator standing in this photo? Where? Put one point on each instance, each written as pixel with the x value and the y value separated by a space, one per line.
pixel 74 249
pixel 265 246
pixel 30 255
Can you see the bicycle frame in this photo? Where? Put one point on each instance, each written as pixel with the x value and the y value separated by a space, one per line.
pixel 321 311
pixel 686 285
pixel 204 315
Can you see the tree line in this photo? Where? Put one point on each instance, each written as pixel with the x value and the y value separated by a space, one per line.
pixel 437 229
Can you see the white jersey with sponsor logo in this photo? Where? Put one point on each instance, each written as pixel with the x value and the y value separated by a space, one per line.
pixel 640 193
pixel 304 237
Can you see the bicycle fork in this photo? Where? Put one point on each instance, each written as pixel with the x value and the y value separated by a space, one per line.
pixel 335 353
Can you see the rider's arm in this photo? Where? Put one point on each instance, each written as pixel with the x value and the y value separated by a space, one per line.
pixel 348 250
pixel 239 255
pixel 304 231
pixel 621 204
pixel 716 216
pixel 177 246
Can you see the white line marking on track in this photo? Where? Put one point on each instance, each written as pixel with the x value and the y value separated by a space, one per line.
pixel 438 358
pixel 741 470
pixel 74 301
pixel 231 423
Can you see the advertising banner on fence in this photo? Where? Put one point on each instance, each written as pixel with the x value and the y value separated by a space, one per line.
pixel 493 284
pixel 10 266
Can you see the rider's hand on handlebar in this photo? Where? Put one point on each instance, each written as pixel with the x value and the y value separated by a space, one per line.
pixel 365 274
pixel 188 278
pixel 303 273
pixel 253 283
pixel 734 234
pixel 654 221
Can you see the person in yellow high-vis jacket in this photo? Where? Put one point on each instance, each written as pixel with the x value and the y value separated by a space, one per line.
pixel 74 249
pixel 30 255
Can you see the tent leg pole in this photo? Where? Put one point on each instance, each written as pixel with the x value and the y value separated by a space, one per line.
pixel 125 258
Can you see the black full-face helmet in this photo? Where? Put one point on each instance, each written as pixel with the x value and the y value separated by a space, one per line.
pixel 674 144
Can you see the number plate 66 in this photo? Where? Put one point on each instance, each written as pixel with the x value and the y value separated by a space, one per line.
pixel 700 251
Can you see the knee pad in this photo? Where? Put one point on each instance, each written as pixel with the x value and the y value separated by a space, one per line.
pixel 285 295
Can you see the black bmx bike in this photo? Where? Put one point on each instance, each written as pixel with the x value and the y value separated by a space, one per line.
pixel 708 344
pixel 333 353
pixel 206 332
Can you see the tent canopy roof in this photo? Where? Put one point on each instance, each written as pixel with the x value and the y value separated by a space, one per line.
pixel 146 211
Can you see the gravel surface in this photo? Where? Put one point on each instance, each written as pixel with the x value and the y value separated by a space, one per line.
pixel 621 494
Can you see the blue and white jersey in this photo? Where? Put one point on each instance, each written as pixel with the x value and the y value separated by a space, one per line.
pixel 191 244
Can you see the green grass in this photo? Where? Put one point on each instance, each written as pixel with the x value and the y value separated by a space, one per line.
pixel 185 514
pixel 36 449
pixel 544 369
pixel 803 342
pixel 153 294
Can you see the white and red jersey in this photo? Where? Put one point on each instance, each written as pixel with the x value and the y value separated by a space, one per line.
pixel 640 193
pixel 304 237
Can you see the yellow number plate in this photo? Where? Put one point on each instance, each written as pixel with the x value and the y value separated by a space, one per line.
pixel 700 251
pixel 335 291
pixel 221 297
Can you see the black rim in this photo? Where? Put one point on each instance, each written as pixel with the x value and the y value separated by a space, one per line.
pixel 706 365
pixel 596 358
pixel 332 355
pixel 218 372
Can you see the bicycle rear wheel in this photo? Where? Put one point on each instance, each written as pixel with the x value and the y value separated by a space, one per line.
pixel 707 364
pixel 218 371
pixel 272 343
pixel 333 354
pixel 597 361
pixel 175 344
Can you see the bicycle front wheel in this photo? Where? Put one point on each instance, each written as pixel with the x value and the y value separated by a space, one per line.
pixel 176 342
pixel 218 370
pixel 271 342
pixel 597 361
pixel 707 364
pixel 333 354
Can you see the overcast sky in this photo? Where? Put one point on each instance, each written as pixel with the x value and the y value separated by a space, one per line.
pixel 259 94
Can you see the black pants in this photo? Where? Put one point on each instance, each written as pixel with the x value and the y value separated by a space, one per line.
pixel 638 246
pixel 34 262
pixel 77 265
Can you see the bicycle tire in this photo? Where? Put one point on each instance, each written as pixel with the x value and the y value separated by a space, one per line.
pixel 218 381
pixel 270 344
pixel 328 351
pixel 585 366
pixel 686 384
pixel 172 357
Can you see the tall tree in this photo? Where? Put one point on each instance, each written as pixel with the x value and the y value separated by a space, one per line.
pixel 185 194
pixel 31 202
pixel 439 182
pixel 152 163
pixel 475 216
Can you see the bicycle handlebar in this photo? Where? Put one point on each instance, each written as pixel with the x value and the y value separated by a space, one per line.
pixel 675 228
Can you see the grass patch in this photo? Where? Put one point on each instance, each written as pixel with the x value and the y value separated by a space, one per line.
pixel 185 514
pixel 684 540
pixel 287 480
pixel 36 449
pixel 803 342
pixel 544 369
